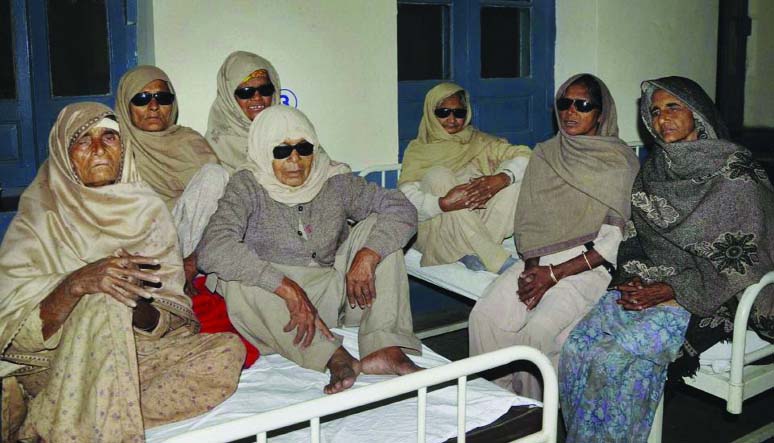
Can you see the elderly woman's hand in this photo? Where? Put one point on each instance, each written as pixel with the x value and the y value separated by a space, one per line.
pixel 303 314
pixel 533 284
pixel 636 295
pixel 456 198
pixel 119 276
pixel 482 189
pixel 361 277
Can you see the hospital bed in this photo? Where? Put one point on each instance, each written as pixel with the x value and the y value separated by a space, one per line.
pixel 727 370
pixel 276 393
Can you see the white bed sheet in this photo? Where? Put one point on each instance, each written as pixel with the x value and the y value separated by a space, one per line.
pixel 454 277
pixel 717 359
pixel 274 382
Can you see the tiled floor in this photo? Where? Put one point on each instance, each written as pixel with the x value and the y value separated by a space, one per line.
pixel 690 415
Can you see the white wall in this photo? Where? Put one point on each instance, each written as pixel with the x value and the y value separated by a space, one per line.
pixel 624 42
pixel 339 57
pixel 759 89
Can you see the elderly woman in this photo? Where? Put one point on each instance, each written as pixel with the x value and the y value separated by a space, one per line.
pixel 289 265
pixel 570 217
pixel 247 84
pixel 464 184
pixel 98 341
pixel 176 161
pixel 702 210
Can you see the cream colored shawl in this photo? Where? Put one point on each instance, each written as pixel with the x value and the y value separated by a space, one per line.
pixel 228 126
pixel 573 185
pixel 165 159
pixel 62 226
pixel 435 147
pixel 270 128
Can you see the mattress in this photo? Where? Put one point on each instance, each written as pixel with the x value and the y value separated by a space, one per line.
pixel 454 277
pixel 274 382
pixel 717 359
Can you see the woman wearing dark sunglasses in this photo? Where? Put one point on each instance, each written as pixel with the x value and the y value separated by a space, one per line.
pixel 247 84
pixel 464 184
pixel 176 161
pixel 290 267
pixel 572 209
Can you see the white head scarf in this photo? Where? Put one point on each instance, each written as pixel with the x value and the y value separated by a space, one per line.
pixel 271 128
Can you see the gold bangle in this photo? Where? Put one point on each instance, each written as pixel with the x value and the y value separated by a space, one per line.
pixel 587 260
pixel 551 272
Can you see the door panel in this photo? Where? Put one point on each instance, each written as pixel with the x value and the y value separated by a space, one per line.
pixel 519 107
pixel 17 165
pixel 101 73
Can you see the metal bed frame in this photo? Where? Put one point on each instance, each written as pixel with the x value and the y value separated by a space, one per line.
pixel 743 381
pixel 260 424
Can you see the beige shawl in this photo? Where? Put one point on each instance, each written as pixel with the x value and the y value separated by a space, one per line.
pixel 165 159
pixel 573 185
pixel 270 128
pixel 62 226
pixel 227 127
pixel 435 147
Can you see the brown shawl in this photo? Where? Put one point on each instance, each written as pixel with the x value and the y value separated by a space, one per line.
pixel 574 184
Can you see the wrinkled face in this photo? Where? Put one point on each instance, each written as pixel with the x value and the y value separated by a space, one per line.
pixel 257 103
pixel 293 170
pixel 451 124
pixel 671 119
pixel 96 157
pixel 579 123
pixel 152 117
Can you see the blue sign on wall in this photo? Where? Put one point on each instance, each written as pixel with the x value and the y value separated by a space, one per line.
pixel 288 98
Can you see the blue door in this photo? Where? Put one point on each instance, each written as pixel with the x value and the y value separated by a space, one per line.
pixel 78 50
pixel 17 164
pixel 501 51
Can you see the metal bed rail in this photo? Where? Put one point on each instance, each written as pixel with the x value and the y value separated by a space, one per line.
pixel 258 425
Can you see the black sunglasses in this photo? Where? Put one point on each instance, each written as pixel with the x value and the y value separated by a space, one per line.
pixel 584 106
pixel 283 151
pixel 162 97
pixel 445 112
pixel 247 92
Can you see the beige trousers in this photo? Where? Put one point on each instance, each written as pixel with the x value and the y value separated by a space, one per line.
pixel 195 206
pixel 451 235
pixel 260 316
pixel 105 383
pixel 500 319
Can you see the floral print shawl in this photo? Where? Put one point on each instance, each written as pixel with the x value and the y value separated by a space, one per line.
pixel 700 217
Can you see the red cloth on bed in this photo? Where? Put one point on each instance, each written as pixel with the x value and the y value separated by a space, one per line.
pixel 210 309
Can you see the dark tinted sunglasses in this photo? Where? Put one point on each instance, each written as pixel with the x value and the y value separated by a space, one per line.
pixel 247 92
pixel 162 98
pixel 284 151
pixel 445 112
pixel 564 104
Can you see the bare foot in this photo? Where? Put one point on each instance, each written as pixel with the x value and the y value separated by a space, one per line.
pixel 389 360
pixel 344 371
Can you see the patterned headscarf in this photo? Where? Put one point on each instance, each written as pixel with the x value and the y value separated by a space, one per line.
pixel 228 126
pixel 701 212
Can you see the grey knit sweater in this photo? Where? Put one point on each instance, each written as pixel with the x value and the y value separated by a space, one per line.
pixel 250 230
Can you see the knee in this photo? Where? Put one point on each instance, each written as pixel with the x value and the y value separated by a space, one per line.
pixel 214 175
pixel 438 180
